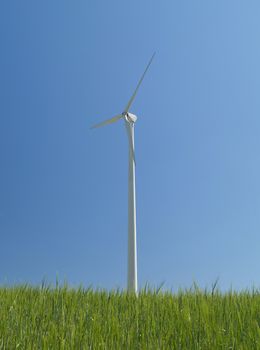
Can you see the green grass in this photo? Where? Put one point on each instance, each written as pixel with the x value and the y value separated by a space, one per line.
pixel 63 318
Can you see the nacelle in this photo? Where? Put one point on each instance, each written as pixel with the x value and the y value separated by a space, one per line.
pixel 131 118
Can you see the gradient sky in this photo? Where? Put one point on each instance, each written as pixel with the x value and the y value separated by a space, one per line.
pixel 65 65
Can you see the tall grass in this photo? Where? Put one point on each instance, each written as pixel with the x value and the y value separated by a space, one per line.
pixel 63 318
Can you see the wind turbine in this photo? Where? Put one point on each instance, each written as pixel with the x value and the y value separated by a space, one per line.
pixel 130 120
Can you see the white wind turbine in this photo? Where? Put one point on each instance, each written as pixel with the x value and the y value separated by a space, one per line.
pixel 130 120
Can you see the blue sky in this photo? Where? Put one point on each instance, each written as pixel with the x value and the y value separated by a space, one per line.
pixel 66 65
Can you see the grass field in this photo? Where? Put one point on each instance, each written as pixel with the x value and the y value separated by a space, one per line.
pixel 63 318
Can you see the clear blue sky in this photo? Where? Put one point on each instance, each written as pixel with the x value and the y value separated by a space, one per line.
pixel 65 65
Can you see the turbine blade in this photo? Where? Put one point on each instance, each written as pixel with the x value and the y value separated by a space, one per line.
pixel 138 85
pixel 131 141
pixel 108 121
pixel 132 149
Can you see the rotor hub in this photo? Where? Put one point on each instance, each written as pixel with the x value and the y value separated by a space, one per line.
pixel 129 117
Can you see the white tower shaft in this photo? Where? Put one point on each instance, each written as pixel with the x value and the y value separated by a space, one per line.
pixel 132 251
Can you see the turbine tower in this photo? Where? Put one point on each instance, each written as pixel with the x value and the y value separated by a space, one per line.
pixel 130 120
